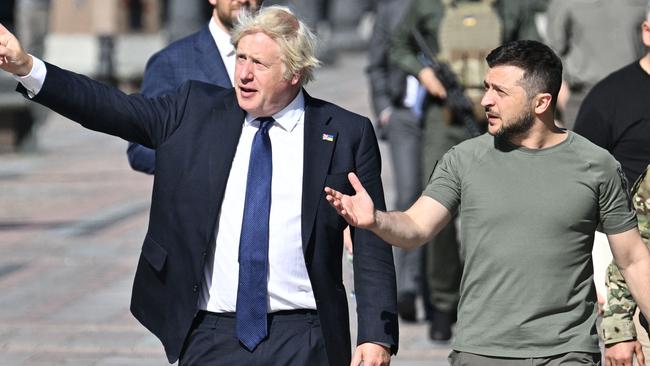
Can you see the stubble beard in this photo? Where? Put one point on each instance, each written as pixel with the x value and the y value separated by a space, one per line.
pixel 518 128
pixel 228 19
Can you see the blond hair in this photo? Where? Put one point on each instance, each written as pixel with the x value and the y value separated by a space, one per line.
pixel 297 43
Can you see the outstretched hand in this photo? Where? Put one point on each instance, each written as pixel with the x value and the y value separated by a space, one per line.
pixel 357 210
pixel 13 58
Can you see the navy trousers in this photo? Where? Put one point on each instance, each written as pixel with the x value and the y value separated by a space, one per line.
pixel 295 338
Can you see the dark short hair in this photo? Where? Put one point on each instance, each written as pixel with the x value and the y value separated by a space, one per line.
pixel 542 67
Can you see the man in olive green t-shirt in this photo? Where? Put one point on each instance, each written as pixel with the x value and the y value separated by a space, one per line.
pixel 530 196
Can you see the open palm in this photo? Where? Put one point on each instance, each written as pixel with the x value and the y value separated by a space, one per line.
pixel 358 210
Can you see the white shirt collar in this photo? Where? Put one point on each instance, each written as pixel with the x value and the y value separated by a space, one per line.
pixel 221 38
pixel 290 116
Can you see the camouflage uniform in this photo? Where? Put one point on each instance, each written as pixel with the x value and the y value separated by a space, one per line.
pixel 617 325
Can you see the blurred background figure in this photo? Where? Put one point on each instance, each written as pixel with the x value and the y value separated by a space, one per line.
pixel 335 21
pixel 462 33
pixel 32 25
pixel 184 17
pixel 393 96
pixel 593 38
pixel 522 19
pixel 19 121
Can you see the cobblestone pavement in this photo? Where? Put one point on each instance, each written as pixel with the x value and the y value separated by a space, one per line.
pixel 72 219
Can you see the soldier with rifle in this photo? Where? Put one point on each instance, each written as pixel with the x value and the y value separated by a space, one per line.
pixel 461 33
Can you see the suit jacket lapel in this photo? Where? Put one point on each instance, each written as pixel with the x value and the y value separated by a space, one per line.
pixel 316 161
pixel 209 59
pixel 225 127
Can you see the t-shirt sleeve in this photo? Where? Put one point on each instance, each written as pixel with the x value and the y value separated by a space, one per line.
pixel 444 185
pixel 617 213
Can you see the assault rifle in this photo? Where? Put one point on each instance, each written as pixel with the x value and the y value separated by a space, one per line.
pixel 460 106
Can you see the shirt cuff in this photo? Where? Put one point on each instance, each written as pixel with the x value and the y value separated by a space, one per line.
pixel 33 81
pixel 615 331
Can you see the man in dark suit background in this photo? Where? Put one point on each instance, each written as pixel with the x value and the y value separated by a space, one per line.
pixel 207 55
pixel 192 276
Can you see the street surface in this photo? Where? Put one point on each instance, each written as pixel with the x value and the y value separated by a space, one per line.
pixel 72 219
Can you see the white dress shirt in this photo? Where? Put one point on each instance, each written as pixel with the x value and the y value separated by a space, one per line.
pixel 288 282
pixel 289 286
pixel 226 49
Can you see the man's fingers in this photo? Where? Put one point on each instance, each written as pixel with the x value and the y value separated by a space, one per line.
pixel 3 30
pixel 335 201
pixel 638 351
pixel 356 183
pixel 5 37
pixel 333 193
pixel 329 192
pixel 6 52
pixel 356 359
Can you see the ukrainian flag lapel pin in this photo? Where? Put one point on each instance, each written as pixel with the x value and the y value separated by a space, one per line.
pixel 328 137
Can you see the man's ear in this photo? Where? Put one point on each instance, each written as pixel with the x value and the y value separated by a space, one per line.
pixel 645 33
pixel 295 78
pixel 542 103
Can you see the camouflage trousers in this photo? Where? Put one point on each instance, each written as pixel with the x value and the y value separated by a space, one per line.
pixel 618 323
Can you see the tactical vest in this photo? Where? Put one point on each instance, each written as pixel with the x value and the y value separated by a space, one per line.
pixel 468 31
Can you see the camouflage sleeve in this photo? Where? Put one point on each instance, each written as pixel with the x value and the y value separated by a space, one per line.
pixel 617 323
pixel 641 201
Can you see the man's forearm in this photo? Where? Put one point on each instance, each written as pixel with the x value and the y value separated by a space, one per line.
pixel 402 230
pixel 398 228
pixel 637 276
pixel 414 227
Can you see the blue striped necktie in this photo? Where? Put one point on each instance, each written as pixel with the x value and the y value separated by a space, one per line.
pixel 252 292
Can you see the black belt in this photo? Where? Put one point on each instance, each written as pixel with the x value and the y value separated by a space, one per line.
pixel 202 314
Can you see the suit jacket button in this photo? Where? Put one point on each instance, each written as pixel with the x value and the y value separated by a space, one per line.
pixel 195 288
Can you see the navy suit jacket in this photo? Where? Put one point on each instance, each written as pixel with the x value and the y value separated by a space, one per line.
pixel 195 57
pixel 195 133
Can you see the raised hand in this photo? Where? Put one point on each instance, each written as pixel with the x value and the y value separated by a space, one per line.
pixel 13 58
pixel 357 210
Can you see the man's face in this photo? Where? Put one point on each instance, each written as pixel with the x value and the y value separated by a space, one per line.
pixel 260 85
pixel 508 108
pixel 226 11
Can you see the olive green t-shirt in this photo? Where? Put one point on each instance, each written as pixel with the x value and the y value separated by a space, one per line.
pixel 527 227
